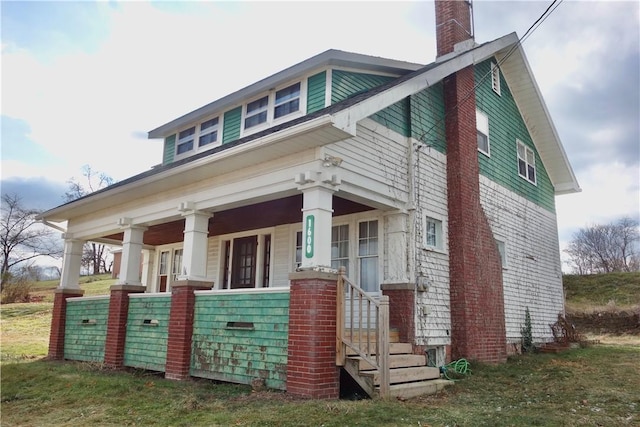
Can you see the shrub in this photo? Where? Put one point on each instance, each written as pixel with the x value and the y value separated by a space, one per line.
pixel 527 334
pixel 15 290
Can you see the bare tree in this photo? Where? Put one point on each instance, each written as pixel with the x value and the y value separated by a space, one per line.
pixel 94 254
pixel 22 237
pixel 606 248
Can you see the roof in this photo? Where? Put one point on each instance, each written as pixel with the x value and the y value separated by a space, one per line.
pixel 338 121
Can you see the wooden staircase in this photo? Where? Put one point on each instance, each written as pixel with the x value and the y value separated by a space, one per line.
pixel 409 375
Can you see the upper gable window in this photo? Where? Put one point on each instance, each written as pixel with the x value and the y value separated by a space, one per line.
pixel 526 162
pixel 208 132
pixel 495 78
pixel 482 127
pixel 256 112
pixel 185 140
pixel 287 101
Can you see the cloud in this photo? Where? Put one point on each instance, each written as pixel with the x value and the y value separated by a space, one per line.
pixel 35 193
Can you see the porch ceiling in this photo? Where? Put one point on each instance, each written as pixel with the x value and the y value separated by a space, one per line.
pixel 287 210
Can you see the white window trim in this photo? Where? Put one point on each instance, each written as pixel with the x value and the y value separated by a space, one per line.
pixel 155 284
pixel 271 99
pixel 527 150
pixel 196 138
pixel 261 232
pixel 441 231
pixel 482 125
pixel 495 78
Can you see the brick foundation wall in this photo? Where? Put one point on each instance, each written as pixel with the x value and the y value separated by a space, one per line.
pixel 58 321
pixel 117 323
pixel 311 365
pixel 180 333
pixel 475 272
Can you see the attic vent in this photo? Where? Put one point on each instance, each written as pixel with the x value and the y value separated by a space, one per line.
pixel 495 78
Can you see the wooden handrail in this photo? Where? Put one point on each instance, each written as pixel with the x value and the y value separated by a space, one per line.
pixel 369 309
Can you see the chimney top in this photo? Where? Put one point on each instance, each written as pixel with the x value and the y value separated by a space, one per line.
pixel 453 24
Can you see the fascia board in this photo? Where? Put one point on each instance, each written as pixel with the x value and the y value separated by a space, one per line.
pixel 107 195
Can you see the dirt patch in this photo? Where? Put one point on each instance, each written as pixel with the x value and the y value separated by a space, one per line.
pixel 615 323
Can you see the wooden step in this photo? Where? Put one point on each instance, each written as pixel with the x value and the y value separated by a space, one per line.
pixel 394 348
pixel 406 375
pixel 394 336
pixel 415 389
pixel 395 361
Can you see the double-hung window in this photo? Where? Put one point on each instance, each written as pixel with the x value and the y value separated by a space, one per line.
pixel 368 255
pixel 208 132
pixel 526 162
pixel 185 140
pixel 482 129
pixel 433 238
pixel 287 101
pixel 256 112
pixel 340 247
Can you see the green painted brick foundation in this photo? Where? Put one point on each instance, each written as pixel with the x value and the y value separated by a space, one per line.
pixel 86 329
pixel 147 332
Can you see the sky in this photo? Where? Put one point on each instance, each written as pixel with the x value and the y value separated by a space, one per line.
pixel 83 82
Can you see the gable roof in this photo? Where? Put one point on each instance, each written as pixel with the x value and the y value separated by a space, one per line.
pixel 338 121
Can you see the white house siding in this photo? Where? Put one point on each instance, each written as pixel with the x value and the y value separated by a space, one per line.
pixel 433 318
pixel 213 260
pixel 282 246
pixel 532 277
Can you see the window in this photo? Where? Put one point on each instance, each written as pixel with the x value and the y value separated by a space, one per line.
pixel 208 132
pixel 298 260
pixel 503 252
pixel 340 247
pixel 433 234
pixel 287 101
pixel 482 126
pixel 526 162
pixel 185 140
pixel 246 261
pixel 368 255
pixel 495 78
pixel 169 268
pixel 256 112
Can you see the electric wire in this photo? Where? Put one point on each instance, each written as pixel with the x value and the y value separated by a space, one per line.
pixel 532 28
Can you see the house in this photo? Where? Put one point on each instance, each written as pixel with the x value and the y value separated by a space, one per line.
pixel 432 185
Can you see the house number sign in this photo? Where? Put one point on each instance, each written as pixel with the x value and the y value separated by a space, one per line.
pixel 308 236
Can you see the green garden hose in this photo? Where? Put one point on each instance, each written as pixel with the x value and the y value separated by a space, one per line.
pixel 458 367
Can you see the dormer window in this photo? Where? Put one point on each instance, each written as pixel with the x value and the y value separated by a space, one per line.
pixel 208 132
pixel 256 112
pixel 185 140
pixel 278 106
pixel 287 101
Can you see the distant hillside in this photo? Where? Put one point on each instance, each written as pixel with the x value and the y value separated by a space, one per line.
pixel 602 291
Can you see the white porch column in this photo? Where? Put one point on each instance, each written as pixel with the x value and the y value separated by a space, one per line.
pixel 317 211
pixel 71 263
pixel 131 252
pixel 194 255
pixel 147 268
pixel 397 247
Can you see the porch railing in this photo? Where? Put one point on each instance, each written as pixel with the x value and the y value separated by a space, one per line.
pixel 362 325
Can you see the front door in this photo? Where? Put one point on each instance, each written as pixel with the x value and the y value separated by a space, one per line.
pixel 243 265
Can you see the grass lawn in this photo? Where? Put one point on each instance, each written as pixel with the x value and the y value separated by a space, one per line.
pixel 598 385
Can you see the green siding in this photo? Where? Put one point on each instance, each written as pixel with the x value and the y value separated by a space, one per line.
pixel 169 149
pixel 345 84
pixel 316 88
pixel 241 355
pixel 146 344
pixel 505 126
pixel 427 117
pixel 232 121
pixel 395 117
pixel 83 340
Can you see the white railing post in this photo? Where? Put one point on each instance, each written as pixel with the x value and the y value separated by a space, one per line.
pixel 383 346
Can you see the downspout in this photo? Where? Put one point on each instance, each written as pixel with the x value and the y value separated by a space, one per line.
pixel 411 209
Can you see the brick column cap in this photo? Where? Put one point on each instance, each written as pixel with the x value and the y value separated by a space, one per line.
pixel 129 288
pixel 403 286
pixel 194 284
pixel 313 275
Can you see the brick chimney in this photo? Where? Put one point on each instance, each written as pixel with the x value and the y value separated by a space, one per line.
pixel 475 271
